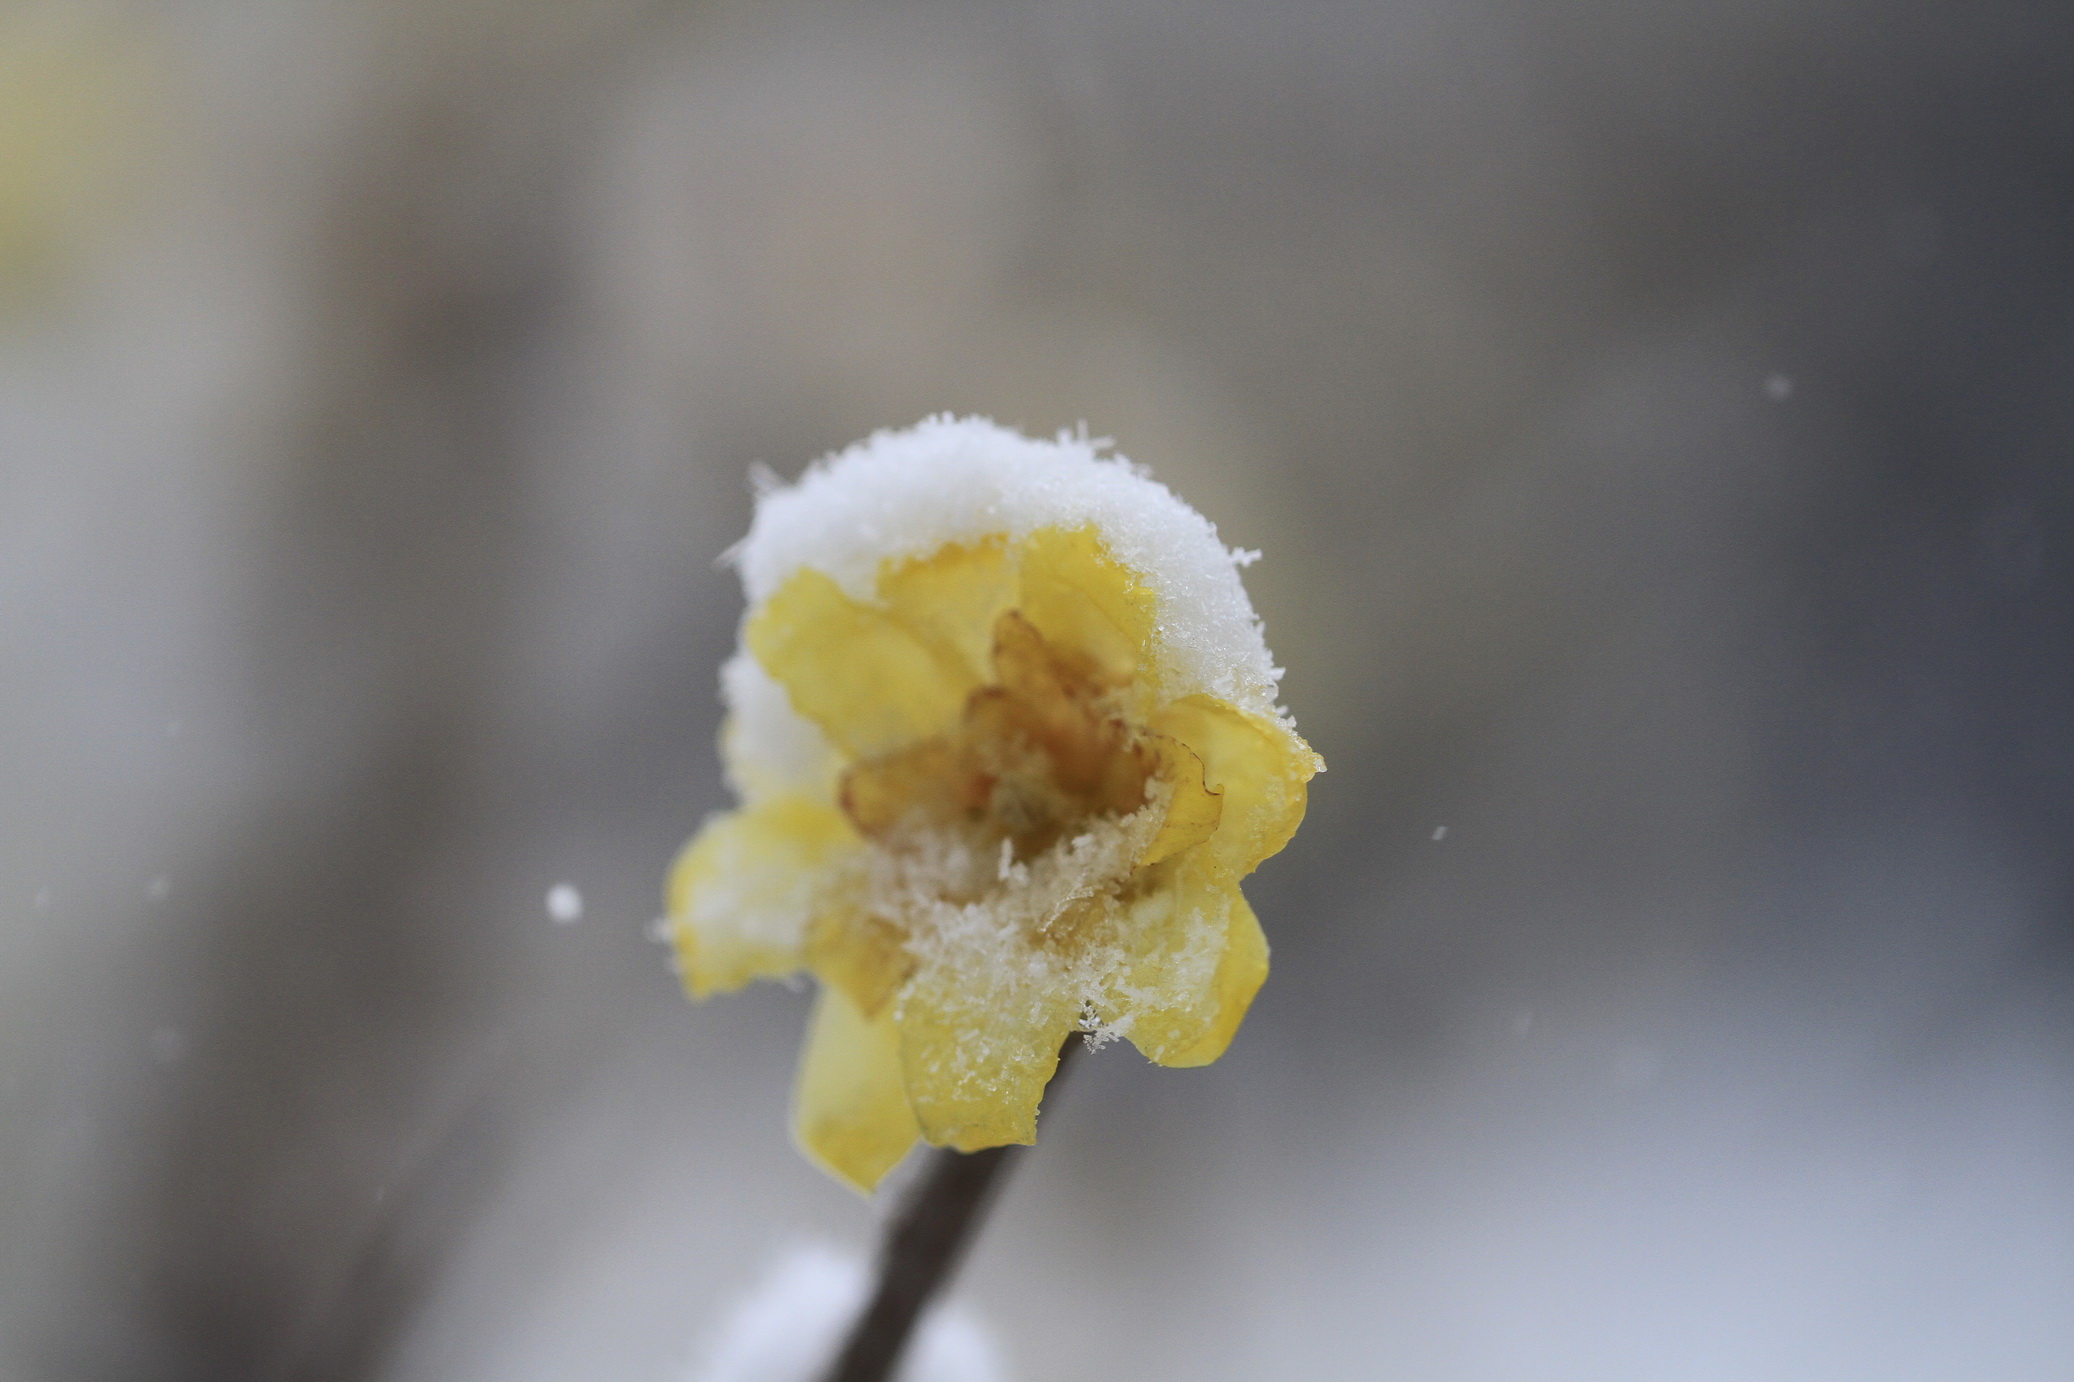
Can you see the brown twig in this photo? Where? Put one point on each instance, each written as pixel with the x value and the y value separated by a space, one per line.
pixel 923 1246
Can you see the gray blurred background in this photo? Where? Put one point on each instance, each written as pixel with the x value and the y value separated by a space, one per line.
pixel 1659 421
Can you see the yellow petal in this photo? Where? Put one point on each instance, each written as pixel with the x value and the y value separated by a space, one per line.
pixel 742 893
pixel 1193 812
pixel 1206 959
pixel 925 784
pixel 869 681
pixel 1258 765
pixel 977 1052
pixel 849 1109
pixel 860 954
pixel 950 599
pixel 1048 703
pixel 1083 599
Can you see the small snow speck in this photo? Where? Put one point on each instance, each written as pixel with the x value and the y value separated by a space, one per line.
pixel 1778 388
pixel 175 728
pixel 1439 833
pixel 44 897
pixel 168 1045
pixel 564 904
pixel 158 887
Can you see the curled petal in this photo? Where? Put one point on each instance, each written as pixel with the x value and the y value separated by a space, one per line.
pixel 1193 810
pixel 849 1109
pixel 950 599
pixel 1080 597
pixel 868 680
pixel 743 892
pixel 1257 764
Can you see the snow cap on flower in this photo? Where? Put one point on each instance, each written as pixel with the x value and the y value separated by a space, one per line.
pixel 1005 733
pixel 907 494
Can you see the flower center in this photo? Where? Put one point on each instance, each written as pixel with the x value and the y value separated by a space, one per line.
pixel 1036 757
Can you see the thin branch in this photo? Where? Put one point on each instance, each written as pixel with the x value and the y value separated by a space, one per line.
pixel 923 1246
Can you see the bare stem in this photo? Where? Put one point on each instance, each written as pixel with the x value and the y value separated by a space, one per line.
pixel 923 1246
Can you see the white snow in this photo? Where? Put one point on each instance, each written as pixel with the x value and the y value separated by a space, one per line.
pixel 769 747
pixel 907 494
pixel 564 904
pixel 975 919
pixel 788 1328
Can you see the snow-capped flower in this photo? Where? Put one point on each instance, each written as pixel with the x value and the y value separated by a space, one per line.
pixel 1005 734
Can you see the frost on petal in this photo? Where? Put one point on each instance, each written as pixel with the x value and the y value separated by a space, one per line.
pixel 1197 959
pixel 850 1110
pixel 1002 980
pixel 976 1072
pixel 744 891
pixel 790 1325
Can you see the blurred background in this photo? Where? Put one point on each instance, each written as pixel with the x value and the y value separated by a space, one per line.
pixel 1659 422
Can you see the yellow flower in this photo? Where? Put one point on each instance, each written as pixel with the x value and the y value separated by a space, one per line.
pixel 78 130
pixel 1005 734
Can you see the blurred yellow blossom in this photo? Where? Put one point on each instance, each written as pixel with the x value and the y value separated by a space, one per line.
pixel 77 108
pixel 1005 735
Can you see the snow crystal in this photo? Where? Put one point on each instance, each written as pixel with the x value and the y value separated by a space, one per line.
pixel 907 494
pixel 564 904
pixel 790 1326
pixel 769 747
pixel 167 1044
pixel 974 925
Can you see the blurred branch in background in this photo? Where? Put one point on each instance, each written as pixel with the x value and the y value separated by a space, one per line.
pixel 1656 422
pixel 354 1107
pixel 359 1101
